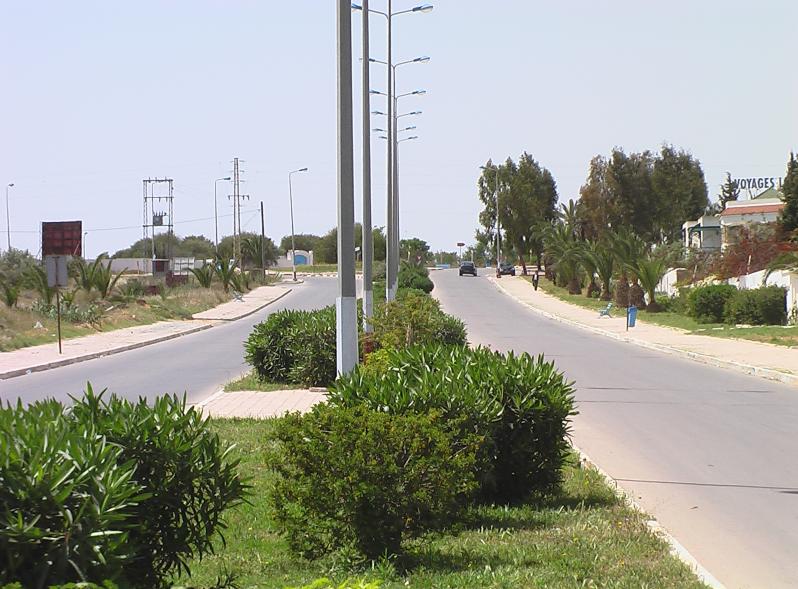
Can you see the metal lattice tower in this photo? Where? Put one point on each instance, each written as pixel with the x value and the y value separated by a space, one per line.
pixel 154 212
pixel 236 197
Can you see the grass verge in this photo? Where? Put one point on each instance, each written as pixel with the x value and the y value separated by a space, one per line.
pixel 786 335
pixel 251 382
pixel 585 537
pixel 18 325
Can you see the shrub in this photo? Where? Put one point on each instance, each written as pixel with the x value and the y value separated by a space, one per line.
pixel 204 275
pixel 109 490
pixel 411 276
pixel 66 498
pixel 362 479
pixel 758 306
pixel 415 318
pixel 185 471
pixel 706 304
pixel 324 583
pixel 10 293
pixel 520 405
pixel 294 346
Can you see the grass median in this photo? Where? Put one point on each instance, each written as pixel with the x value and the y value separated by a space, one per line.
pixel 251 382
pixel 585 537
pixel 781 335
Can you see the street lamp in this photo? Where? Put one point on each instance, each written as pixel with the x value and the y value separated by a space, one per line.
pixel 216 212
pixel 392 254
pixel 8 217
pixel 291 201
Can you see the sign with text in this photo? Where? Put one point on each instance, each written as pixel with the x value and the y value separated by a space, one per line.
pixel 757 183
pixel 62 238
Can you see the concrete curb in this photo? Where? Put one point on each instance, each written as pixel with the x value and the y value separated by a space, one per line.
pixel 110 352
pixel 248 313
pixel 654 526
pixel 759 371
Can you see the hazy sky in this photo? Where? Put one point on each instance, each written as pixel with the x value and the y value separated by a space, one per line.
pixel 96 96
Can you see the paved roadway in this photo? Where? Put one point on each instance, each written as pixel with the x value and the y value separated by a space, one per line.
pixel 197 364
pixel 711 453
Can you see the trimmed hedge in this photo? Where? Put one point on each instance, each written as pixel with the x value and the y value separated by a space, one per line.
pixel 758 306
pixel 707 304
pixel 109 489
pixel 415 277
pixel 367 480
pixel 520 406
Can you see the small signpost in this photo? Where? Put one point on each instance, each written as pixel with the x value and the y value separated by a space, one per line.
pixel 60 241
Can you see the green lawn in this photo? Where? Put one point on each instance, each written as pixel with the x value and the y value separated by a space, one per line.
pixel 772 334
pixel 250 382
pixel 586 537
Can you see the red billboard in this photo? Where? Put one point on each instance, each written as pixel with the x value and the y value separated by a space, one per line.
pixel 62 238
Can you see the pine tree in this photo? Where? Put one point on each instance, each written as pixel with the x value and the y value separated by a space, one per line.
pixel 729 190
pixel 789 214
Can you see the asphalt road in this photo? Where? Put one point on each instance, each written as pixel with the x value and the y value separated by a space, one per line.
pixel 197 365
pixel 711 453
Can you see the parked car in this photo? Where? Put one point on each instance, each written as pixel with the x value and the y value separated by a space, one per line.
pixel 506 268
pixel 468 268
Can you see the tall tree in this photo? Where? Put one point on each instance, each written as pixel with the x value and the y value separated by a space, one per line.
pixel 789 214
pixel 303 241
pixel 598 209
pixel 414 250
pixel 629 183
pixel 679 192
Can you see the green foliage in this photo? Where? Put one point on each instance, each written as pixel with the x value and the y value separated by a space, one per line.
pixel 368 480
pixel 90 314
pixel 414 251
pixel 104 279
pixel 204 275
pixel 521 407
pixel 15 265
pixel 294 346
pixel 415 318
pixel 758 306
pixel 415 277
pixel 325 583
pixel 10 293
pixel 649 272
pixel 67 498
pixel 706 304
pixel 255 250
pixel 36 278
pixel 226 271
pixel 789 187
pixel 185 471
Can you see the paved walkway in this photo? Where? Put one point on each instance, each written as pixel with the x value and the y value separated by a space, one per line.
pixel 260 405
pixel 79 349
pixel 761 359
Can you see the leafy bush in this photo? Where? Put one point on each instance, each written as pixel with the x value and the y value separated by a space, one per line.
pixel 758 306
pixel 417 277
pixel 415 318
pixel 706 304
pixel 109 490
pixel 294 346
pixel 325 583
pixel 91 313
pixel 185 470
pixel 204 275
pixel 10 293
pixel 66 498
pixel 352 477
pixel 520 405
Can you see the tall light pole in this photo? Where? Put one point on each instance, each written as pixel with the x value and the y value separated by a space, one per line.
pixel 392 253
pixel 346 348
pixel 216 212
pixel 291 201
pixel 8 216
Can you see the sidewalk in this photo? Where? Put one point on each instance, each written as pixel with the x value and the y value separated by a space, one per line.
pixel 80 349
pixel 260 405
pixel 760 359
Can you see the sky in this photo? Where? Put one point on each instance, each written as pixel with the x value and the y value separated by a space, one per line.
pixel 97 96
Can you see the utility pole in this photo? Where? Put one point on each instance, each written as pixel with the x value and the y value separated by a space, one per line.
pixel 391 254
pixel 346 302
pixel 236 197
pixel 262 241
pixel 367 248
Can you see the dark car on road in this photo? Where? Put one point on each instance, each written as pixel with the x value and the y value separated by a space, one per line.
pixel 506 269
pixel 468 268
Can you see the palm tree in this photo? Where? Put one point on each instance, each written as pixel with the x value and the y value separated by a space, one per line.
pixel 649 272
pixel 564 249
pixel 602 258
pixel 569 214
pixel 104 279
pixel 589 266
pixel 226 271
pixel 204 275
pixel 628 248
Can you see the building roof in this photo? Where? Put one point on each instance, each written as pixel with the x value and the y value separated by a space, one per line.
pixel 752 208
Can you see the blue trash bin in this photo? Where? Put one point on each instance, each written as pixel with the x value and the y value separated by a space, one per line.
pixel 631 314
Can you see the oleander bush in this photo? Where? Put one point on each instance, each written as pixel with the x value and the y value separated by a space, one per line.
pixel 109 489
pixel 758 306
pixel 521 407
pixel 356 478
pixel 707 304
pixel 294 347
pixel 415 277
pixel 415 318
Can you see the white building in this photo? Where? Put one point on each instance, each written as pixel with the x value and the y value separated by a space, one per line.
pixel 703 233
pixel 764 208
